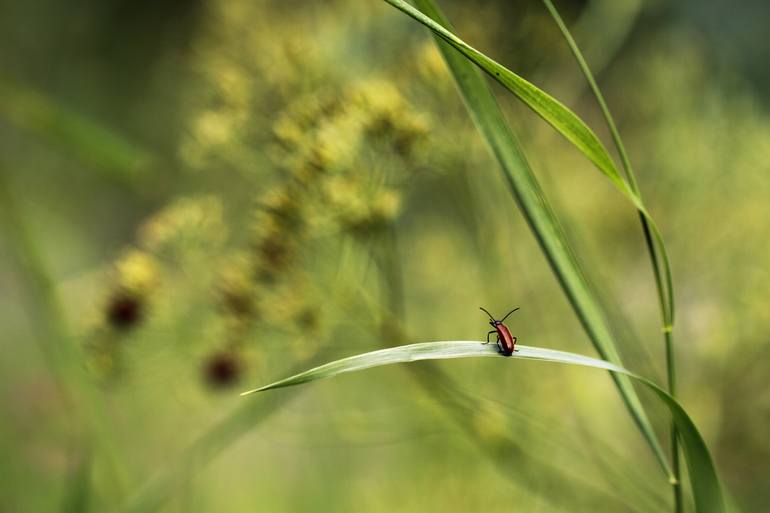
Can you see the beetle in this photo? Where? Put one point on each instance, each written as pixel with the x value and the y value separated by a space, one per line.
pixel 505 341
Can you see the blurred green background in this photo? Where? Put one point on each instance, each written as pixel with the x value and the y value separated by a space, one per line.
pixel 201 197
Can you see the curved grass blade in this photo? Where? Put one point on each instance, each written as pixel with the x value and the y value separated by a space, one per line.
pixel 663 283
pixel 526 190
pixel 707 491
pixel 558 116
pixel 550 109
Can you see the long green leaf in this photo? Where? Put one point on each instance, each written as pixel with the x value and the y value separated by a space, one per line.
pixel 555 113
pixel 491 123
pixel 547 107
pixel 707 491
pixel 665 298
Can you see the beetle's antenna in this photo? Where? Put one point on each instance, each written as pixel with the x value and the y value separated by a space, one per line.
pixel 489 314
pixel 509 313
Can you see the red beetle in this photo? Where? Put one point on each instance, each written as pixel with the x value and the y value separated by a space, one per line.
pixel 505 341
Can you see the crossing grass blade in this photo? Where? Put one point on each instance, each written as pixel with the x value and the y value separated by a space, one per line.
pixel 491 123
pixel 707 491
pixel 550 109
pixel 654 246
pixel 566 122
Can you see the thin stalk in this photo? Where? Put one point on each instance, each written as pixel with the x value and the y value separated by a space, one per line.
pixel 665 301
pixel 523 185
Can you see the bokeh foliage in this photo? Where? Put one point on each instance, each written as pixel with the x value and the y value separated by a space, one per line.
pixel 220 192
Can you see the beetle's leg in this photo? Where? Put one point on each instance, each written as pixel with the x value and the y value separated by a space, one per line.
pixel 488 334
pixel 514 345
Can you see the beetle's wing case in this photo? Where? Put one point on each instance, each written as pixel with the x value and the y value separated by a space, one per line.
pixel 506 341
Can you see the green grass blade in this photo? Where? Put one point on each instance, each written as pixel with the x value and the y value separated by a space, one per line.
pixel 550 109
pixel 556 114
pixel 707 491
pixel 491 123
pixel 399 354
pixel 655 246
pixel 663 283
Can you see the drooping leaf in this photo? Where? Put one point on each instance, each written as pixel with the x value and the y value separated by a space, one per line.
pixel 543 222
pixel 655 246
pixel 552 111
pixel 707 491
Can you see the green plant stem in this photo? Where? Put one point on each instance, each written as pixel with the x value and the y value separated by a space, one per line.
pixel 489 119
pixel 665 301
pixel 617 20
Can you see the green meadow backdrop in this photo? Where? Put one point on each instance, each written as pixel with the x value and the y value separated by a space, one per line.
pixel 201 198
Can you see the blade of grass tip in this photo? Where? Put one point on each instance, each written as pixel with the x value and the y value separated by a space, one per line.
pixel 665 301
pixel 707 491
pixel 157 490
pixel 547 107
pixel 491 123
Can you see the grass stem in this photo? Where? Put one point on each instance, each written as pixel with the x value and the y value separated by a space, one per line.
pixel 526 191
pixel 666 308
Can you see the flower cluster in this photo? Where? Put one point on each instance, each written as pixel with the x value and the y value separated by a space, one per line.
pixel 345 151
pixel 340 155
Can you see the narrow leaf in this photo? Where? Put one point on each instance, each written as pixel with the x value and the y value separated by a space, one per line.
pixel 655 246
pixel 707 491
pixel 558 116
pixel 526 190
pixel 550 109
